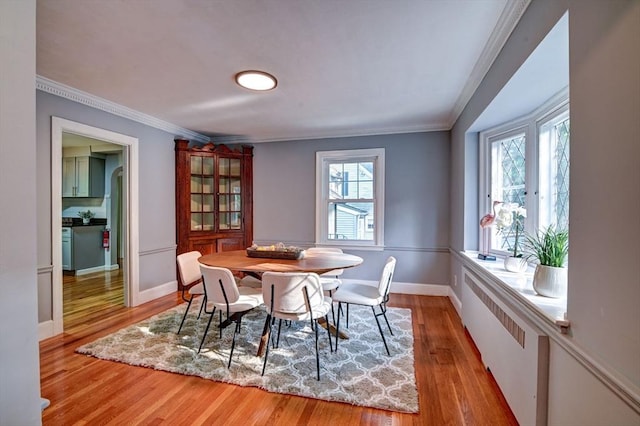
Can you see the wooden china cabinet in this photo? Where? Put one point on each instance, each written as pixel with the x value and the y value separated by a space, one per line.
pixel 214 201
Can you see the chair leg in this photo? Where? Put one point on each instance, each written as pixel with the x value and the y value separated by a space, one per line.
pixel 204 336
pixel 279 328
pixel 384 314
pixel 326 318
pixel 202 305
pixel 347 315
pixel 186 311
pixel 380 329
pixel 233 342
pixel 266 353
pixel 317 352
pixel 338 325
pixel 333 315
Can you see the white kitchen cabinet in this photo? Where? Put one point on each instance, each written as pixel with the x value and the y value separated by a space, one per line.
pixel 82 177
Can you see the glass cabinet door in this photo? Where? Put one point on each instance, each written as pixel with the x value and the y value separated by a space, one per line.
pixel 202 193
pixel 229 194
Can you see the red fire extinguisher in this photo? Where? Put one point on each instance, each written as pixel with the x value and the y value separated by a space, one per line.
pixel 105 239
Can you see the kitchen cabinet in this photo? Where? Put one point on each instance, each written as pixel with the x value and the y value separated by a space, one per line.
pixel 214 200
pixel 82 247
pixel 82 177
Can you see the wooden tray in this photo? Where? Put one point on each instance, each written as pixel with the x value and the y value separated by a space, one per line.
pixel 276 254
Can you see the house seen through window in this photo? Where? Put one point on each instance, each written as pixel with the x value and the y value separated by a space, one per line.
pixel 349 197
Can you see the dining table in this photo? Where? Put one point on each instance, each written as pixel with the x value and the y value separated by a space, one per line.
pixel 239 261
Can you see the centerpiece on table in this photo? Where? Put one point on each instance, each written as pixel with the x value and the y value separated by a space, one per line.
pixel 511 217
pixel 275 251
pixel 550 248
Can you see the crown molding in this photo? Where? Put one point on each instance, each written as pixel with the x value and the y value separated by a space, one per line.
pixel 75 95
pixel 508 20
pixel 230 139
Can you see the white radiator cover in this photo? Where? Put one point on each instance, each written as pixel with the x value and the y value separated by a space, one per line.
pixel 515 351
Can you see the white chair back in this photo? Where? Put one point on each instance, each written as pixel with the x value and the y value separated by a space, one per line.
pixel 288 292
pixel 387 276
pixel 213 276
pixel 326 251
pixel 188 267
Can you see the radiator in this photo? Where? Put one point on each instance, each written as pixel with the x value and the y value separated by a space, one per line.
pixel 516 352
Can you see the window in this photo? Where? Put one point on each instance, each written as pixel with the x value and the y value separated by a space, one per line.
pixel 350 197
pixel 527 162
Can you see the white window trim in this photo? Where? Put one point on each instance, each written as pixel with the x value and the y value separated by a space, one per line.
pixel 530 124
pixel 322 161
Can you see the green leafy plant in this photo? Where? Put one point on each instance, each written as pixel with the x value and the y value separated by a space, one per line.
pixel 549 246
pixel 86 215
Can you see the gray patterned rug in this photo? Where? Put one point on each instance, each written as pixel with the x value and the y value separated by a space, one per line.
pixel 360 373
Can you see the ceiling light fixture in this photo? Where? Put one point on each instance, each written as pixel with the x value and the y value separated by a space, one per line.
pixel 256 80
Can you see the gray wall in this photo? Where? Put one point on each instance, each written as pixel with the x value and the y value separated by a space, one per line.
pixel 156 191
pixel 604 273
pixel 416 201
pixel 19 362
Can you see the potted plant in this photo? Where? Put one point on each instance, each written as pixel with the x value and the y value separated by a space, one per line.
pixel 86 216
pixel 511 216
pixel 550 248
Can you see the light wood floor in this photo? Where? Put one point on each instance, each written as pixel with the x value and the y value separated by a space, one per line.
pixel 454 387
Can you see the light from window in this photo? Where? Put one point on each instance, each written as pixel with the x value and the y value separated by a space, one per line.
pixel 349 197
pixel 508 182
pixel 527 162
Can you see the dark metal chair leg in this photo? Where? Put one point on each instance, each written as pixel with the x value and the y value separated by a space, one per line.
pixel 185 314
pixel 338 326
pixel 317 352
pixel 266 353
pixel 326 318
pixel 380 329
pixel 203 305
pixel 204 336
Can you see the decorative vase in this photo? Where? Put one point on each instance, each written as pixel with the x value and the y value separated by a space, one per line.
pixel 515 264
pixel 550 281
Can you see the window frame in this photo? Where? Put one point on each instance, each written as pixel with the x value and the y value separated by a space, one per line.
pixel 531 125
pixel 323 159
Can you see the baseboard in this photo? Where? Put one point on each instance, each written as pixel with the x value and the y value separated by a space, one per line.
pixel 45 330
pixel 100 268
pixel 455 302
pixel 156 292
pixel 111 267
pixel 408 288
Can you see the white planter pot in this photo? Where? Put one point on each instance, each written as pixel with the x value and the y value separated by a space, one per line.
pixel 86 220
pixel 550 281
pixel 515 264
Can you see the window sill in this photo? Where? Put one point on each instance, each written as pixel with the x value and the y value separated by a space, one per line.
pixel 520 288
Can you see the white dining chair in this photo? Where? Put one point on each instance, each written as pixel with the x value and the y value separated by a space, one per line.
pixel 330 280
pixel 368 295
pixel 191 280
pixel 294 296
pixel 222 291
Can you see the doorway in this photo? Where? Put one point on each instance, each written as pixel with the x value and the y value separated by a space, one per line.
pixel 125 213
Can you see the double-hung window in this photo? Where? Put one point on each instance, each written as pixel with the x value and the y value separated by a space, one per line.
pixel 350 198
pixel 527 162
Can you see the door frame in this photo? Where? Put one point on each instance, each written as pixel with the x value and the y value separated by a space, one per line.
pixel 129 208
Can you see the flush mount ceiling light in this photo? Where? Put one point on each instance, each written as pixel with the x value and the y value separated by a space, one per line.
pixel 256 80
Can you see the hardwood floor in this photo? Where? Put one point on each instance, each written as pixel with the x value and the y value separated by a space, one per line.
pixel 454 387
pixel 86 297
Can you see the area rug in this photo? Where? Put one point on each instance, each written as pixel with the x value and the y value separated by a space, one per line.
pixel 359 373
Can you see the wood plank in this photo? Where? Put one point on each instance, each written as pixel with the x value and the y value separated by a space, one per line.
pixel 453 386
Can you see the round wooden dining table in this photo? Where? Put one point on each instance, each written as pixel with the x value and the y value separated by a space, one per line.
pixel 239 261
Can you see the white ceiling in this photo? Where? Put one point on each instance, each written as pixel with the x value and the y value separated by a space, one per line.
pixel 344 67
